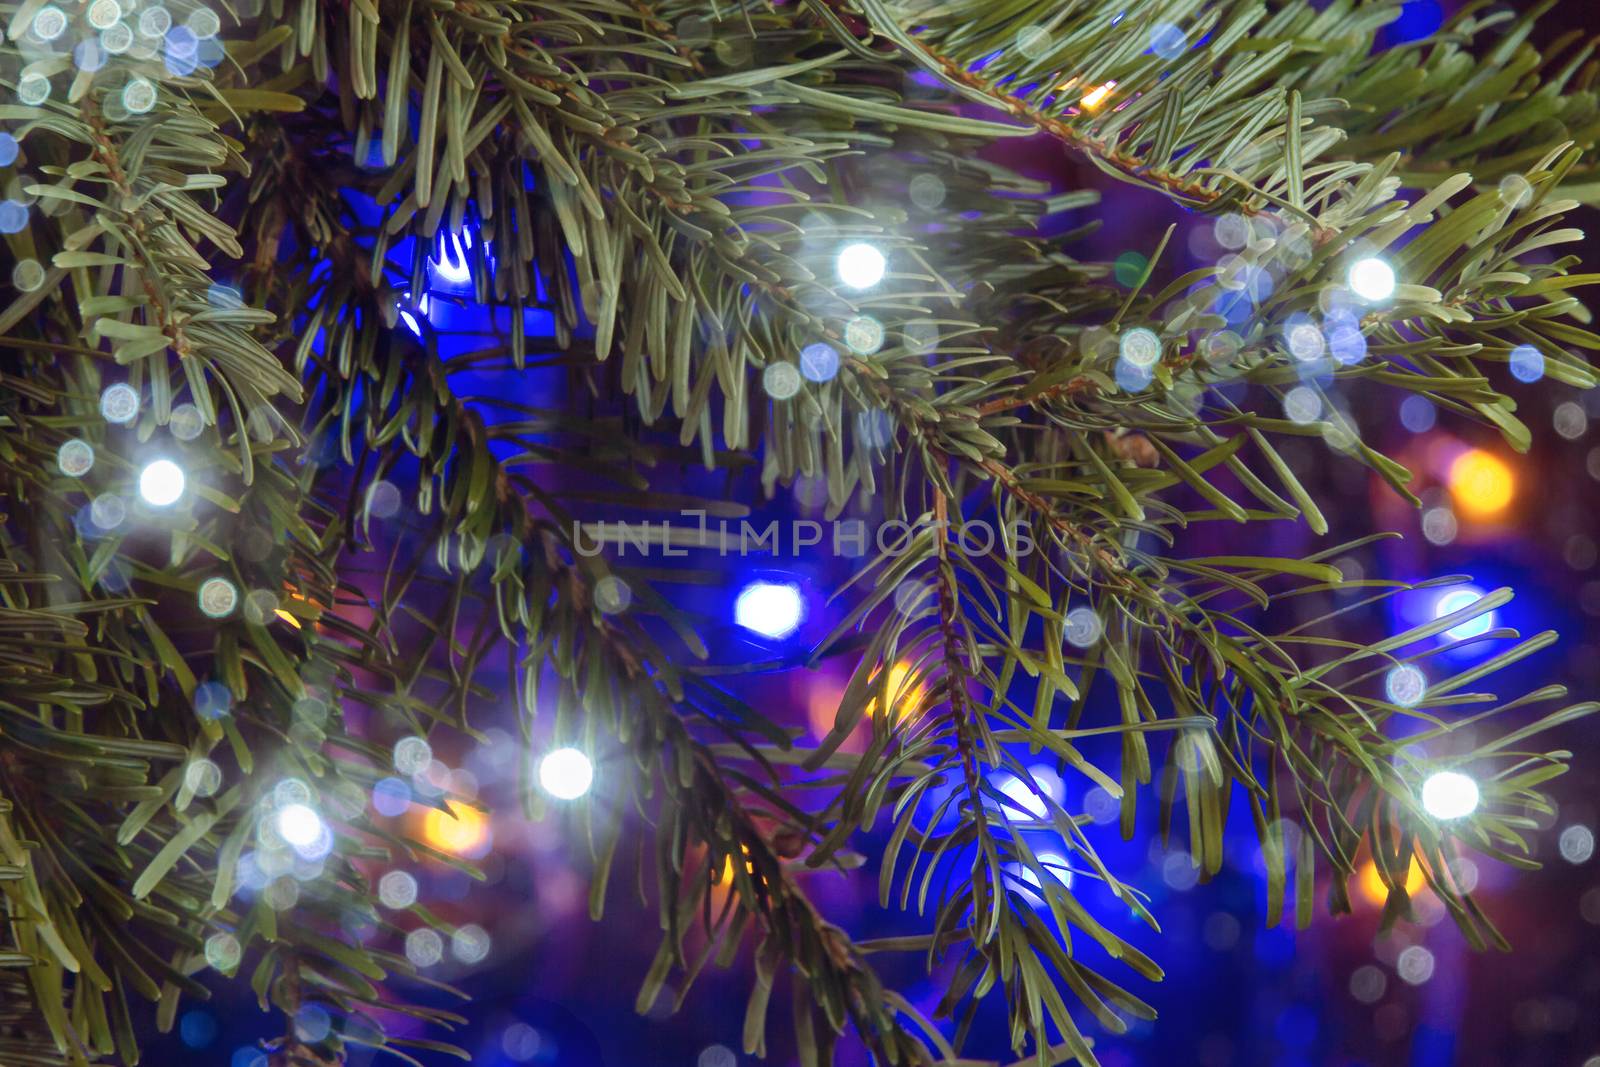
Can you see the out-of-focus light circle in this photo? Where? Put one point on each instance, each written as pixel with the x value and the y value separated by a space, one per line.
pixel 1576 843
pixel 108 510
pixel 186 422
pixel 424 947
pixel 139 95
pixel 161 483
pixel 391 797
pixel 203 22
pixel 1418 414
pixel 772 609
pixel 8 149
pixel 1515 190
pixel 119 404
pixel 863 335
pixel 1527 363
pixel 1306 342
pixel 33 88
pixel 459 829
pixel 299 825
pixel 1453 600
pixel 103 14
pixel 1372 279
pixel 27 275
pixel 1232 231
pixel 1406 685
pixel 116 39
pixel 49 23
pixel 612 595
pixel 566 773
pixel 1140 347
pixel 218 597
pixel 1449 795
pixel 412 755
pixel 312 1023
pixel 13 216
pixel 927 191
pixel 1439 526
pixel 520 1042
pixel 396 890
pixel 202 777
pixel 1302 405
pixel 1570 420
pixel 1415 965
pixel 716 1056
pixel 383 499
pixel 75 458
pixel 223 951
pixel 1481 483
pixel 1083 627
pixel 861 265
pixel 1368 984
pixel 470 944
pixel 781 380
pixel 819 362
pixel 197 1028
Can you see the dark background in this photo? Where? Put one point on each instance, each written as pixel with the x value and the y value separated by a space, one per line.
pixel 557 990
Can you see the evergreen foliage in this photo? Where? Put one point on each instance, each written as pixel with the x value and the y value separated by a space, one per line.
pixel 667 183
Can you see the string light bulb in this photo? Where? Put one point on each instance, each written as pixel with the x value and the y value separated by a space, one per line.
pixel 161 483
pixel 566 773
pixel 861 265
pixel 1449 795
pixel 1372 279
pixel 772 609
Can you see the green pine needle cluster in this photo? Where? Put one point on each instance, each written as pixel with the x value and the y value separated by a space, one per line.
pixel 667 183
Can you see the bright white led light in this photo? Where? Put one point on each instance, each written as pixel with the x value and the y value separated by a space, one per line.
pixel 771 609
pixel 566 774
pixel 861 266
pixel 1372 279
pixel 299 825
pixel 1449 795
pixel 1454 600
pixel 161 483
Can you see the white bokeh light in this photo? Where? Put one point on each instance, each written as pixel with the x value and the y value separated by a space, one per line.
pixel 300 826
pixel 161 483
pixel 861 266
pixel 1372 279
pixel 1406 685
pixel 566 774
pixel 1449 795
pixel 771 609
pixel 1454 600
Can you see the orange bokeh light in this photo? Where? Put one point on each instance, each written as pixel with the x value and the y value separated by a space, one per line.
pixel 904 699
pixel 1374 890
pixel 461 831
pixel 1481 483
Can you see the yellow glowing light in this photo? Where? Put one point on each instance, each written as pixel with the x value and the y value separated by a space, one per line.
pixel 904 700
pixel 1097 96
pixel 290 619
pixel 461 831
pixel 1372 886
pixel 1481 483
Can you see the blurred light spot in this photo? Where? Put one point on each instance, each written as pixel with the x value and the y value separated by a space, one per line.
pixel 139 95
pixel 1372 887
pixel 161 483
pixel 119 404
pixel 1302 405
pixel 312 1023
pixel 860 265
pixel 396 890
pixel 1168 41
pixel 391 796
pixel 1129 268
pixel 1449 795
pixel 1418 414
pixel 716 1056
pixel 424 947
pixel 1570 420
pixel 107 511
pixel 1515 191
pixel 412 755
pixel 927 191
pixel 863 335
pixel 1406 685
pixel 1140 347
pixel 819 362
pixel 470 944
pixel 1577 843
pixel 212 700
pixel 1232 231
pixel 49 23
pixel 1439 526
pixel 612 595
pixel 197 1028
pixel 1372 279
pixel 186 422
pixel 223 951
pixel 772 609
pixel 1456 599
pixel 202 777
pixel 1415 965
pixel 520 1042
pixel 1083 627
pixel 1527 363
pixel 780 380
pixel 1481 483
pixel 1368 984
pixel 566 773
pixel 75 458
pixel 459 829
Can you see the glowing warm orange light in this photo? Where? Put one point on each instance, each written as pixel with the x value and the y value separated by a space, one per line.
pixel 461 831
pixel 904 699
pixel 1372 887
pixel 1481 483
pixel 1097 96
